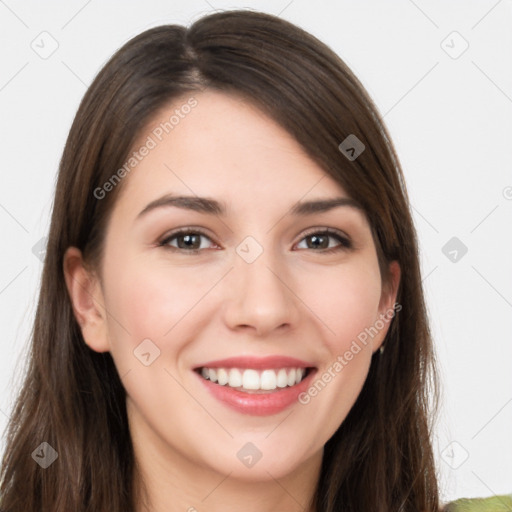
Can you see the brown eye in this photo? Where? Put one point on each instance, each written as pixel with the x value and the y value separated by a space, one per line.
pixel 187 241
pixel 320 241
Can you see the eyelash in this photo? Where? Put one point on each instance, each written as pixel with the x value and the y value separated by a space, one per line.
pixel 345 243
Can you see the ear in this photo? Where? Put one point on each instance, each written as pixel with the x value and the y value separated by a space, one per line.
pixel 387 304
pixel 87 300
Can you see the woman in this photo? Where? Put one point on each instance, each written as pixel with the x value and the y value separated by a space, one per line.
pixel 231 311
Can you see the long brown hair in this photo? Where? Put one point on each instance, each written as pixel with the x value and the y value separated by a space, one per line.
pixel 72 398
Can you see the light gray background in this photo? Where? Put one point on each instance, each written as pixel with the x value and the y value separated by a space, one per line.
pixel 450 117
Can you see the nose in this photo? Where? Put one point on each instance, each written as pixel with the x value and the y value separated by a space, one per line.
pixel 261 295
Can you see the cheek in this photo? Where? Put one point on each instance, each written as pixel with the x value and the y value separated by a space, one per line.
pixel 345 300
pixel 347 304
pixel 150 300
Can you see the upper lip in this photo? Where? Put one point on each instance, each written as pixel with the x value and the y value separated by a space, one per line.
pixel 257 362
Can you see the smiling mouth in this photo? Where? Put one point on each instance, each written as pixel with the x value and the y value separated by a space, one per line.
pixel 255 381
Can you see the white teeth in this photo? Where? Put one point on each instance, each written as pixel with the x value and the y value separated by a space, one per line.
pixel 268 379
pixel 282 378
pixel 235 378
pixel 254 379
pixel 251 379
pixel 222 376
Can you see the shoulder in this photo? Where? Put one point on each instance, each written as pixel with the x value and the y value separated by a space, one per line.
pixel 501 503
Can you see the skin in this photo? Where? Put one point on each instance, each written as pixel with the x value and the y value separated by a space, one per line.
pixel 294 299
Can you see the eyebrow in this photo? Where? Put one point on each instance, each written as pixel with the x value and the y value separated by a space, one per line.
pixel 214 207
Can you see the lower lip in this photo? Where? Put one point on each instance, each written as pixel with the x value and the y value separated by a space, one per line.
pixel 258 404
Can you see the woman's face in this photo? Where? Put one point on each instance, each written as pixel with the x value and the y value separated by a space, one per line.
pixel 256 282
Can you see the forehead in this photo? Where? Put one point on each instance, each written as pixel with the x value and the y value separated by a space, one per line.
pixel 222 147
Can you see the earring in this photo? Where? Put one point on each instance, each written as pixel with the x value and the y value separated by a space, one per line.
pixel 381 350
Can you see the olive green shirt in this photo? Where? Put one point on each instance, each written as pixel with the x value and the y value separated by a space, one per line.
pixel 501 503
